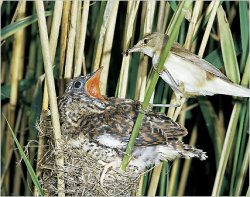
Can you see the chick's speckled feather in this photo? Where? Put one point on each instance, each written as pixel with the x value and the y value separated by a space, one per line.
pixel 120 116
pixel 102 127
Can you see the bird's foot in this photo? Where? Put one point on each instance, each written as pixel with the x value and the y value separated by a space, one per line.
pixel 178 103
pixel 113 164
pixel 159 72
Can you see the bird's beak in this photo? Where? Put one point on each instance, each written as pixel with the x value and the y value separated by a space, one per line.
pixel 92 86
pixel 136 48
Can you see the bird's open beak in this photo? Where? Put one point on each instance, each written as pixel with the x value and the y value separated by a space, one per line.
pixel 92 86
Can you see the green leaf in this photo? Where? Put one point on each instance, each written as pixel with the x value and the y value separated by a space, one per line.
pixel 227 47
pixel 244 31
pixel 26 161
pixel 211 118
pixel 163 179
pixel 11 29
pixel 215 57
pixel 239 142
pixel 173 5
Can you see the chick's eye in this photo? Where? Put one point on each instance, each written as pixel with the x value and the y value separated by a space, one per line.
pixel 145 41
pixel 77 84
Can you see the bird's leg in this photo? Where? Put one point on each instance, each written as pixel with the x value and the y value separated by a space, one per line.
pixel 178 110
pixel 178 88
pixel 113 164
pixel 177 102
pixel 181 87
pixel 178 98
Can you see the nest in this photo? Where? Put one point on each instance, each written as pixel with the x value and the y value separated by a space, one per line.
pixel 82 172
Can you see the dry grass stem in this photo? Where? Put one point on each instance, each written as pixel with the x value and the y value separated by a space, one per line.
pixel 128 34
pixel 224 155
pixel 196 11
pixel 208 28
pixel 161 16
pixel 107 46
pixel 71 41
pixel 78 23
pixel 64 34
pixel 243 171
pixel 155 180
pixel 53 39
pixel 187 164
pixel 17 63
pixel 111 8
pixel 149 10
pixel 82 36
pixel 52 93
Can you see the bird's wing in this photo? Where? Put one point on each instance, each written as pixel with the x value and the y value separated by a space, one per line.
pixel 183 53
pixel 156 128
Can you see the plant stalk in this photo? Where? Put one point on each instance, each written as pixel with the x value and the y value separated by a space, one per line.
pixel 52 93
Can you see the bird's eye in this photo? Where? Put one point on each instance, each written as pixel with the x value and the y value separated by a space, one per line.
pixel 77 84
pixel 146 41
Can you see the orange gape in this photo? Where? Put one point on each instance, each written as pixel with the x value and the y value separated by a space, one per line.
pixel 93 85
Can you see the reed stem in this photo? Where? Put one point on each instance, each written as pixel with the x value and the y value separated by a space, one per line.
pixel 52 93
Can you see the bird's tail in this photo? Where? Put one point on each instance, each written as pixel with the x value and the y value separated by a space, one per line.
pixel 176 148
pixel 188 151
pixel 220 86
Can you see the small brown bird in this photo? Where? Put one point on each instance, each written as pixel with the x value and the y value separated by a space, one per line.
pixel 186 73
pixel 102 126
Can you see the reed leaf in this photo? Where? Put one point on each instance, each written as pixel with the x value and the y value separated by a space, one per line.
pixel 243 171
pixel 244 30
pixel 227 46
pixel 22 23
pixel 26 161
pixel 237 150
pixel 232 69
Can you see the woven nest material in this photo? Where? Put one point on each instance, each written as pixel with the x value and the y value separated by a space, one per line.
pixel 81 171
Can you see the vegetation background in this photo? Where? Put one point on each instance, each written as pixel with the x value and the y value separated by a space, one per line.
pixel 85 35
